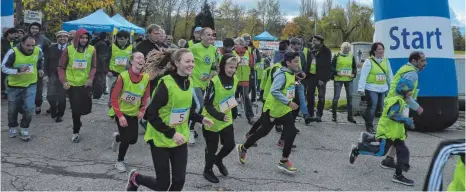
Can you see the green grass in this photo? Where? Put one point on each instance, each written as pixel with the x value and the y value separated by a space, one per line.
pixel 459 52
pixel 341 106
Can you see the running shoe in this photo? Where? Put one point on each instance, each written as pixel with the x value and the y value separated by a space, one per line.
pixel 287 166
pixel 402 180
pixel 131 184
pixel 353 153
pixel 241 154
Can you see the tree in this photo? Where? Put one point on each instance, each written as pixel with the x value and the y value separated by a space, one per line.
pixel 291 29
pixel 205 18
pixel 458 39
pixel 308 8
pixel 274 20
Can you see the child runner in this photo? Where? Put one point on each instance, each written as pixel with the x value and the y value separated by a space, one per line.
pixel 277 109
pixel 390 131
pixel 129 101
pixel 219 101
pixel 168 131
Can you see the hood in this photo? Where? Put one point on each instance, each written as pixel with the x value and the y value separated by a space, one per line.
pixel 404 86
pixel 78 35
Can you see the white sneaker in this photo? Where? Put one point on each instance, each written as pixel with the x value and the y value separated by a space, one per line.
pixel 191 138
pixel 115 144
pixel 75 138
pixel 120 166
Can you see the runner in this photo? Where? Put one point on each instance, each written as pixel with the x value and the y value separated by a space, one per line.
pixel 391 131
pixel 168 130
pixel 204 57
pixel 76 72
pixel 277 109
pixel 56 95
pixel 243 74
pixel 23 64
pixel 129 101
pixel 219 102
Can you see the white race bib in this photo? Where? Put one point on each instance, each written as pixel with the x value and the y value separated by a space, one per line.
pixel 130 98
pixel 227 104
pixel 406 111
pixel 79 64
pixel 290 92
pixel 29 69
pixel 346 72
pixel 244 61
pixel 380 77
pixel 121 61
pixel 178 116
pixel 313 62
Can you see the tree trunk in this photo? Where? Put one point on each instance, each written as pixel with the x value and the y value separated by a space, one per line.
pixel 19 13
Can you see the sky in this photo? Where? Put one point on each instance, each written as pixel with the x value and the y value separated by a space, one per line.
pixel 290 8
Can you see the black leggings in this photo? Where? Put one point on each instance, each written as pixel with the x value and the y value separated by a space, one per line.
pixel 289 131
pixel 81 104
pixel 227 139
pixel 177 157
pixel 128 135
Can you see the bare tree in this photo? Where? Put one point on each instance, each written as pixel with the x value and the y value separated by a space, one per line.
pixel 238 11
pixel 308 8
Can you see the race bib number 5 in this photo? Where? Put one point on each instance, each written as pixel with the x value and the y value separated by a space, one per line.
pixel 130 98
pixel 79 64
pixel 227 104
pixel 178 116
pixel 380 77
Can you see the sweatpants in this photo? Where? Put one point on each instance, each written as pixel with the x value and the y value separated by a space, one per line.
pixel 227 139
pixel 128 135
pixel 165 158
pixel 402 151
pixel 81 104
pixel 289 131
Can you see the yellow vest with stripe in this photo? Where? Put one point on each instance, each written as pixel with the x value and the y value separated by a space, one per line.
pixel 131 92
pixel 221 95
pixel 119 56
pixel 276 108
pixel 77 76
pixel 179 103
pixel 344 65
pixel 377 75
pixel 404 69
pixel 387 128
pixel 29 77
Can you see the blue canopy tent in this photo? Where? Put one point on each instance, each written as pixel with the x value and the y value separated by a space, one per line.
pixel 123 21
pixel 97 21
pixel 265 36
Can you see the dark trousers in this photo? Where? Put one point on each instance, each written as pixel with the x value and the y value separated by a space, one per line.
pixel 253 86
pixel 243 91
pixel 289 131
pixel 402 151
pixel 164 157
pixel 56 96
pixel 81 104
pixel 40 87
pixel 312 83
pixel 336 96
pixel 98 85
pixel 128 135
pixel 227 139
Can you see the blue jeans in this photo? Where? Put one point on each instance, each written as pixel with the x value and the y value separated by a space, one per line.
pixel 302 101
pixel 336 96
pixel 17 98
pixel 375 101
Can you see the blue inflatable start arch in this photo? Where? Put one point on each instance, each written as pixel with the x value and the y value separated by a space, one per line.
pixel 417 25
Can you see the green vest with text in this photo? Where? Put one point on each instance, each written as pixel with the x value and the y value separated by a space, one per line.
pixel 120 58
pixel 345 67
pixel 276 108
pixel 204 58
pixel 24 79
pixel 132 93
pixel 376 74
pixel 79 65
pixel 243 70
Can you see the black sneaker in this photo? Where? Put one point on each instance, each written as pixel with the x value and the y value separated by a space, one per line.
pixel 279 128
pixel 353 154
pixel 130 186
pixel 48 111
pixel 251 122
pixel 370 130
pixel 210 176
pixel 403 180
pixel 308 121
pixel 318 119
pixel 334 117
pixel 221 167
pixel 388 163
pixel 38 110
pixel 59 119
pixel 351 120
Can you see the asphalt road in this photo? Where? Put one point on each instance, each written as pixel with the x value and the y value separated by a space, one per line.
pixel 50 161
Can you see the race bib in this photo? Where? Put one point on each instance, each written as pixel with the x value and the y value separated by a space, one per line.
pixel 29 70
pixel 227 104
pixel 130 98
pixel 205 76
pixel 290 92
pixel 346 72
pixel 380 77
pixel 79 64
pixel 260 66
pixel 406 111
pixel 178 116
pixel 244 61
pixel 121 61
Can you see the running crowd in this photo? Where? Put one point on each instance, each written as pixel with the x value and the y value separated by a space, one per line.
pixel 195 82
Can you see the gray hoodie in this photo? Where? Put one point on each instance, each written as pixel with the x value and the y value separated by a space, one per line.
pixel 278 84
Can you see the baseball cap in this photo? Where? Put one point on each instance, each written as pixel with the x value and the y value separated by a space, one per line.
pixel 197 29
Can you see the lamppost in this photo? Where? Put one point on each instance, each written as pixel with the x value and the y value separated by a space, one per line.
pixel 314 18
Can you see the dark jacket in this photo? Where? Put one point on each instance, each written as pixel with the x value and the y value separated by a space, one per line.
pixel 146 46
pixel 323 57
pixel 52 59
pixel 101 50
pixel 5 47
